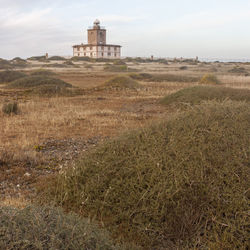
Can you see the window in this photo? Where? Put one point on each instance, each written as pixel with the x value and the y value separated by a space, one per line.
pixel 78 54
pixel 108 48
pixel 84 54
pixel 78 49
pixel 84 48
pixel 91 54
pixel 115 48
pixel 109 54
pixel 91 48
pixel 102 47
pixel 115 54
pixel 102 54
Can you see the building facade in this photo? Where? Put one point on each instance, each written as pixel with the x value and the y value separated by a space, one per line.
pixel 97 46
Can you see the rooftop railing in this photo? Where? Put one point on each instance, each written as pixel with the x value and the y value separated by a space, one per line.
pixel 93 27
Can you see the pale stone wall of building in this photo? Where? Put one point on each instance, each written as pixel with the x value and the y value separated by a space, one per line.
pixel 111 52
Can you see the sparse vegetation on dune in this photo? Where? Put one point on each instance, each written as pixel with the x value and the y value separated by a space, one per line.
pixel 35 81
pixel 49 228
pixel 115 68
pixel 10 75
pixel 122 82
pixel 57 58
pixel 180 184
pixel 198 94
pixel 164 78
pixel 42 72
pixel 5 64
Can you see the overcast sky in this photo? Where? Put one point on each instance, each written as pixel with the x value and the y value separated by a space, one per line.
pixel 163 28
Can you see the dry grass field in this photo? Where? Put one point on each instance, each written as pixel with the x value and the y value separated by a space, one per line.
pixel 47 134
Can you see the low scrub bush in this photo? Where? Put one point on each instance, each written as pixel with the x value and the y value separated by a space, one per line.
pixel 37 58
pixel 164 78
pixel 57 58
pixel 119 62
pixel 19 62
pixel 10 108
pixel 238 70
pixel 115 68
pixel 209 79
pixel 5 64
pixel 79 59
pixel 198 94
pixel 122 82
pixel 35 81
pixel 183 68
pixel 49 228
pixel 180 184
pixel 141 76
pixel 42 72
pixel 9 76
pixel 55 91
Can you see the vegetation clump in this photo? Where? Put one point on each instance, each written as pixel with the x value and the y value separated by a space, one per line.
pixel 141 76
pixel 209 79
pixel 122 82
pixel 10 108
pixel 164 78
pixel 198 94
pixel 57 58
pixel 5 64
pixel 49 228
pixel 42 72
pixel 115 68
pixel 10 75
pixel 180 184
pixel 238 70
pixel 35 81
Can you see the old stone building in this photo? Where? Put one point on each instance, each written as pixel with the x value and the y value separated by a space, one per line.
pixel 97 46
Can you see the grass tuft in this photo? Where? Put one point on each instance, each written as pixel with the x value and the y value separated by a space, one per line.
pixel 180 184
pixel 49 228
pixel 10 108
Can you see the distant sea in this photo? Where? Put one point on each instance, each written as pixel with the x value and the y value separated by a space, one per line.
pixel 224 59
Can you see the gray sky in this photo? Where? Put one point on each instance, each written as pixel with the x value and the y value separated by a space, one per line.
pixel 164 28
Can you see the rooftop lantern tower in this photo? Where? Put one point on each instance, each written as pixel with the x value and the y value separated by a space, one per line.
pixel 97 34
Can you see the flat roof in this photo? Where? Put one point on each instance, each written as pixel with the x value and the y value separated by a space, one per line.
pixel 89 45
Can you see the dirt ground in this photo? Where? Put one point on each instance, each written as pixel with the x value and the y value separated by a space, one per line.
pixel 50 133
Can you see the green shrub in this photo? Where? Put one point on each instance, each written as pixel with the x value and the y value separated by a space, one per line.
pixel 18 62
pixel 78 59
pixel 5 64
pixel 115 68
pixel 198 94
pixel 10 108
pixel 9 76
pixel 49 228
pixel 119 62
pixel 238 70
pixel 180 184
pixel 35 81
pixel 122 82
pixel 42 72
pixel 141 76
pixel 55 91
pixel 57 58
pixel 183 68
pixel 209 79
pixel 37 58
pixel 164 78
